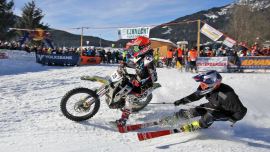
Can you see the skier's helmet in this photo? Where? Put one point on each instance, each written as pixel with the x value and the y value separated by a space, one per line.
pixel 208 81
pixel 139 45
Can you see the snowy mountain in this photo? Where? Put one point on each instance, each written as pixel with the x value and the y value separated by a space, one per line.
pixel 31 121
pixel 219 18
pixel 255 4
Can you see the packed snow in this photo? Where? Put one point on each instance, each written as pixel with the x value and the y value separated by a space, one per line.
pixel 31 119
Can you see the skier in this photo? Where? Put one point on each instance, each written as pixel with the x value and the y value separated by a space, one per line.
pixel 223 105
pixel 143 62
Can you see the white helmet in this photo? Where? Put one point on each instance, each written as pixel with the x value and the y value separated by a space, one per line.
pixel 208 81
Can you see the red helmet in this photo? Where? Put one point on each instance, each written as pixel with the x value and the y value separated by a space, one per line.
pixel 139 45
pixel 140 41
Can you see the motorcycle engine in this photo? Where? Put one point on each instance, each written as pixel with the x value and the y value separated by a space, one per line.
pixel 110 96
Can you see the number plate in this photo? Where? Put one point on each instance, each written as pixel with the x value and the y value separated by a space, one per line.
pixel 116 76
pixel 130 70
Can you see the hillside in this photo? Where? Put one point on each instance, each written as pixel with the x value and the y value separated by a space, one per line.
pixel 254 16
pixel 63 38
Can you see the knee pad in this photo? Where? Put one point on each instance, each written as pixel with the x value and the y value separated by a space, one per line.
pixel 184 113
pixel 206 120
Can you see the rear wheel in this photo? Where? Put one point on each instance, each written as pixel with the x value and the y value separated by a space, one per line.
pixel 140 104
pixel 80 104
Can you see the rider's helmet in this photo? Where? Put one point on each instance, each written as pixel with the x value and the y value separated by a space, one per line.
pixel 139 46
pixel 208 81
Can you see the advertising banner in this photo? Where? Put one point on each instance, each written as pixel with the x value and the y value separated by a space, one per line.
pixel 211 32
pixel 58 59
pixel 131 33
pixel 90 60
pixel 255 62
pixel 229 42
pixel 212 63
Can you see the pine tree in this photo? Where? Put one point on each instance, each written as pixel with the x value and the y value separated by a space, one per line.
pixel 7 18
pixel 31 17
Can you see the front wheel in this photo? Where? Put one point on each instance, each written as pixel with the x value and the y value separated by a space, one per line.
pixel 80 104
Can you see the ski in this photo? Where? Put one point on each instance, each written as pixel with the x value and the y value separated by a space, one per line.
pixel 133 127
pixel 195 125
pixel 127 128
pixel 154 134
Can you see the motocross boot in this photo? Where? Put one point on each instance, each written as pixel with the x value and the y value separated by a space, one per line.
pixel 125 114
pixel 195 125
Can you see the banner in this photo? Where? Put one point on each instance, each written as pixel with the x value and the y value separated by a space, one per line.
pixel 210 32
pixel 229 42
pixel 255 62
pixel 58 59
pixel 212 63
pixel 90 60
pixel 131 33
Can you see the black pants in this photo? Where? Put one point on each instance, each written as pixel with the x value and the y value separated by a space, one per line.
pixel 207 116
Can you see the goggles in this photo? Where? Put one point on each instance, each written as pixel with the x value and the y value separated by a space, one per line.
pixel 204 79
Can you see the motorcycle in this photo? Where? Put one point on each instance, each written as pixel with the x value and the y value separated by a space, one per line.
pixel 80 104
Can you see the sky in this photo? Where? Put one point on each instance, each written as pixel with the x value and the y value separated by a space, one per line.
pixel 68 14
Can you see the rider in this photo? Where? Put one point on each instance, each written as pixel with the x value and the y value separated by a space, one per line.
pixel 142 61
pixel 223 105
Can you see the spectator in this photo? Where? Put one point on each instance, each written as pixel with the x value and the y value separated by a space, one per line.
pixel 192 55
pixel 109 56
pixel 169 57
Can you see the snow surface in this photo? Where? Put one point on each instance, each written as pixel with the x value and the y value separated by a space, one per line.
pixel 31 121
pixel 211 16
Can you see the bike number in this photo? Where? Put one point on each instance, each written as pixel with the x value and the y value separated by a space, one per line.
pixel 115 76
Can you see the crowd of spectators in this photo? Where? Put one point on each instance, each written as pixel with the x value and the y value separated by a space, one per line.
pixel 240 51
pixel 107 57
pixel 188 57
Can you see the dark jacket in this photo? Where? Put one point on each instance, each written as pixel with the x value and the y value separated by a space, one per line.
pixel 223 99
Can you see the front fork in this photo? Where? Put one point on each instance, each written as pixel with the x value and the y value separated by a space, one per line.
pixel 86 102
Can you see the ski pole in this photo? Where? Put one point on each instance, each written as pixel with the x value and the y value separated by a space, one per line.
pixel 161 103
pixel 193 106
pixel 200 107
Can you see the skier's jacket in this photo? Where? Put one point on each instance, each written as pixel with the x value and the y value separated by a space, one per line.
pixel 223 99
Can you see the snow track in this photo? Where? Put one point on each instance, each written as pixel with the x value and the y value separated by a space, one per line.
pixel 30 117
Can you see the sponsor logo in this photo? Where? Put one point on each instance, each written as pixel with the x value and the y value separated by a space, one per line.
pixel 256 62
pixel 91 60
pixel 40 57
pixel 211 64
pixel 54 57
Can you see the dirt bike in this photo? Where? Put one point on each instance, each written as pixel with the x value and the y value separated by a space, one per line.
pixel 80 104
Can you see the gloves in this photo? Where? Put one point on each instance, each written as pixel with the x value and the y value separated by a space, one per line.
pixel 181 101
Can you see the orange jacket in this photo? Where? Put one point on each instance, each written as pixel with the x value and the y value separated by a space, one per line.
pixel 179 52
pixel 192 54
pixel 169 54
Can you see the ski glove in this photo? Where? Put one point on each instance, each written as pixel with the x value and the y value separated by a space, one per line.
pixel 181 101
